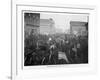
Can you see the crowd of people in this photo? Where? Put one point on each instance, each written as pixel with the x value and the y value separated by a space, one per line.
pixel 51 49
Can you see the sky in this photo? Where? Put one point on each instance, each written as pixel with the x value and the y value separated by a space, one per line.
pixel 62 20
